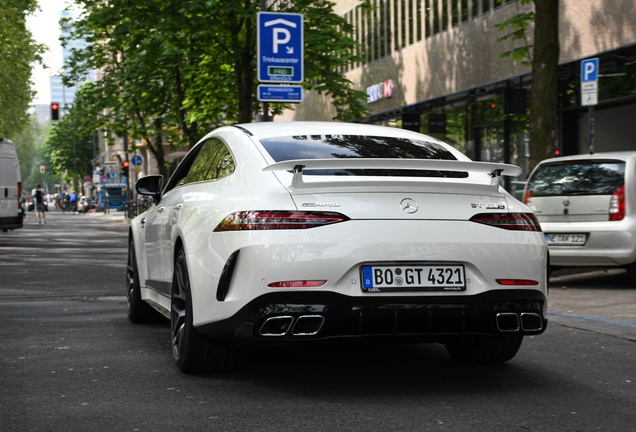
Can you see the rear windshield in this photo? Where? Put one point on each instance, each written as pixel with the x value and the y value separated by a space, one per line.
pixel 577 178
pixel 357 146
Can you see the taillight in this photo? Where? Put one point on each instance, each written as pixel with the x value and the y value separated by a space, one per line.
pixel 272 220
pixel 526 197
pixel 509 221
pixel 617 205
pixel 19 194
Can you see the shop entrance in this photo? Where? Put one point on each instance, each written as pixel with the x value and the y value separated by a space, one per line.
pixel 498 142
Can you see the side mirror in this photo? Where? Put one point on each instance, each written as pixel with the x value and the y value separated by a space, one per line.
pixel 150 186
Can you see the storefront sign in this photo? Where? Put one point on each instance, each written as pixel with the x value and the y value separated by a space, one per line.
pixel 380 91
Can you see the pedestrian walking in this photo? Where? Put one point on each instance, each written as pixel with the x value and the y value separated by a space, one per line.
pixel 40 207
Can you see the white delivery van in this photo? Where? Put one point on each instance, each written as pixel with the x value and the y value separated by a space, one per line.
pixel 11 211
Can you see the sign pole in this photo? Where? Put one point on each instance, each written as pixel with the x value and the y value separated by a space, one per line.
pixel 589 94
pixel 590 117
pixel 265 105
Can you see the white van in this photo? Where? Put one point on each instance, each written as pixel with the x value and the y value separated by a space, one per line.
pixel 11 211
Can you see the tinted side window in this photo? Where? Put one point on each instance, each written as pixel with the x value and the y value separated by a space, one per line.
pixel 577 178
pixel 201 165
pixel 223 164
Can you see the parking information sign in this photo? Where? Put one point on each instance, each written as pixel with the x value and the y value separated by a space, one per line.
pixel 280 93
pixel 280 47
pixel 589 82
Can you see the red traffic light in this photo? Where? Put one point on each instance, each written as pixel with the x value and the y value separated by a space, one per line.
pixel 125 164
pixel 55 111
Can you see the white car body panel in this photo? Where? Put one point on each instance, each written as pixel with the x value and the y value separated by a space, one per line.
pixel 379 230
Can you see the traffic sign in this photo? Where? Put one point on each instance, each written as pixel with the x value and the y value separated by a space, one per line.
pixel 589 82
pixel 589 70
pixel 136 160
pixel 280 93
pixel 280 47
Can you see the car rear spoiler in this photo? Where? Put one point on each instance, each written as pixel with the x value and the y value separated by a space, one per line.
pixel 494 170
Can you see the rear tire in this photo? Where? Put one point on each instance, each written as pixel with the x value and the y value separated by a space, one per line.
pixel 194 352
pixel 485 350
pixel 139 311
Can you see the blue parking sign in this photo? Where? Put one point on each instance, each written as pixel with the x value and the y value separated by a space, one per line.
pixel 589 70
pixel 280 47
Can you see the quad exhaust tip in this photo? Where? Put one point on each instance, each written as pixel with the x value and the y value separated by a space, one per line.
pixel 304 325
pixel 510 322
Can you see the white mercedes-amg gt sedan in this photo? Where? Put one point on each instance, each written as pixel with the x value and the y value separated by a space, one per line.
pixel 306 231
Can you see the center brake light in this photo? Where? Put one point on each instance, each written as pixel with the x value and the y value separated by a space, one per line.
pixel 509 221
pixel 274 220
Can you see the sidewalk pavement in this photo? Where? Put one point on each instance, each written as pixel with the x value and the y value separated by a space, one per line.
pixel 596 300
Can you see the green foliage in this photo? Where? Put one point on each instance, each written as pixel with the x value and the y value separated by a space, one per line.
pixel 517 26
pixel 173 69
pixel 27 143
pixel 68 146
pixel 18 51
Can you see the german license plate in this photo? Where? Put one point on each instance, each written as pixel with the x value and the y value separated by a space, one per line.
pixel 566 239
pixel 401 278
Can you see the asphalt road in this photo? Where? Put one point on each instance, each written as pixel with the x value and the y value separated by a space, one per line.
pixel 71 361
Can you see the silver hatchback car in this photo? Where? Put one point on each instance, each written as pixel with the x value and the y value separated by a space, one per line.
pixel 586 205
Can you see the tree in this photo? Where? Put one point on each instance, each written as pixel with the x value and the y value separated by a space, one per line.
pixel 172 69
pixel 27 143
pixel 18 51
pixel 544 110
pixel 68 147
pixel 544 58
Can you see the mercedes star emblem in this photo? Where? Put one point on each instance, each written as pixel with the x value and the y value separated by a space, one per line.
pixel 408 205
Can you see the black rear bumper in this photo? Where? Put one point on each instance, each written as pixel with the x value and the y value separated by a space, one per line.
pixel 296 316
pixel 11 223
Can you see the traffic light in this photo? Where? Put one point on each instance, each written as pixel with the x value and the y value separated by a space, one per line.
pixel 124 168
pixel 42 169
pixel 55 111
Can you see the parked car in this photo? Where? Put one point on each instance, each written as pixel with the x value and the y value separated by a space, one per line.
pixel 586 205
pixel 297 232
pixel 11 210
pixel 516 189
pixel 85 204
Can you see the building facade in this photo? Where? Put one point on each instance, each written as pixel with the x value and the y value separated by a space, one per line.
pixel 60 93
pixel 434 66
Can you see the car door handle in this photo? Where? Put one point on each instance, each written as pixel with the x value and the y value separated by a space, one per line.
pixel 160 209
pixel 178 207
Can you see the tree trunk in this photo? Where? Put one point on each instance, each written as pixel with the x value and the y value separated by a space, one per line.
pixel 545 79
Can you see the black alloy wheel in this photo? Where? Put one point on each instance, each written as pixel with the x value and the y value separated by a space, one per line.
pixel 194 352
pixel 138 310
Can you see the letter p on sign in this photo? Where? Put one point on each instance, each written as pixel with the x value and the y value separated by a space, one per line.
pixel 589 70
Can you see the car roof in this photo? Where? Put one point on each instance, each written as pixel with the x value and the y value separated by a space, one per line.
pixel 265 130
pixel 620 155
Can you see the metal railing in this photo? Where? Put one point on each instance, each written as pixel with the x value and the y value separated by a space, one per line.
pixel 135 208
